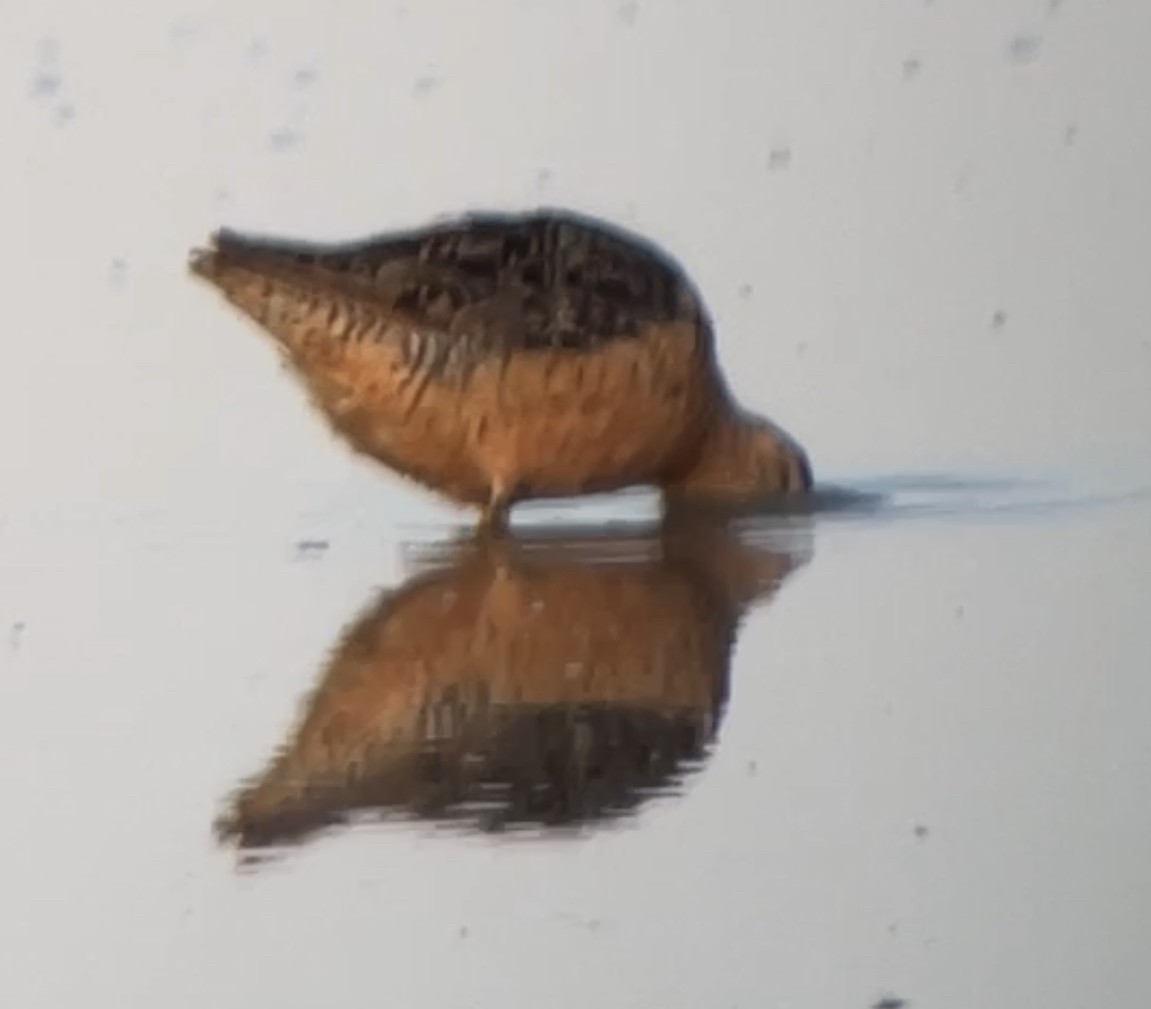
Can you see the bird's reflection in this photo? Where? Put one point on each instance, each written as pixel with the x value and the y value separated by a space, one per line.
pixel 557 678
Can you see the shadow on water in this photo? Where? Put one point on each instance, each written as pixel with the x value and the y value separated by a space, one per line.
pixel 560 678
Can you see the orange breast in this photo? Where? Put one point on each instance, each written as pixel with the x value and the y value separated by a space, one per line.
pixel 539 422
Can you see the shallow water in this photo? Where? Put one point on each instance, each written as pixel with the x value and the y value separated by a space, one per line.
pixel 272 732
pixel 919 770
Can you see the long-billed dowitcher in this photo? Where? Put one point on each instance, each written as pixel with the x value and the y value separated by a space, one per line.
pixel 499 357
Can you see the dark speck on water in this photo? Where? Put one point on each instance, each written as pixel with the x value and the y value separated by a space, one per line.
pixel 999 319
pixel 184 31
pixel 424 86
pixel 284 140
pixel 779 159
pixel 627 12
pixel 911 68
pixel 890 1002
pixel 1023 48
pixel 921 831
pixel 45 84
pixel 304 77
pixel 311 548
pixel 745 291
pixel 47 80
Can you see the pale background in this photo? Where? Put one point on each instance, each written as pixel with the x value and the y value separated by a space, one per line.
pixel 923 231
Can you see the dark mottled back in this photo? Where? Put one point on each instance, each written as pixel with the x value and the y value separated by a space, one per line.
pixel 543 280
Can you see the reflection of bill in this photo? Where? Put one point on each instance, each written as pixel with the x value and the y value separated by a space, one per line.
pixel 558 678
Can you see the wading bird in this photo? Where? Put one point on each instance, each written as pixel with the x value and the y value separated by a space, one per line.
pixel 495 358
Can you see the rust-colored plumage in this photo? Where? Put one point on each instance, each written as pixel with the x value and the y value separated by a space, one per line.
pixel 558 678
pixel 495 358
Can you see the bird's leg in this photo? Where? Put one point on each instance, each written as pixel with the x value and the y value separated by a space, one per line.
pixel 494 519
